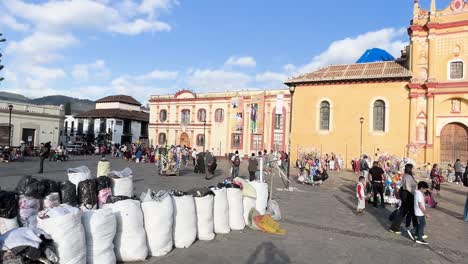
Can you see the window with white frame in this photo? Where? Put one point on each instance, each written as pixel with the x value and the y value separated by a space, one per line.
pixel 201 115
pixel 163 115
pixel 219 115
pixel 236 141
pixel 278 121
pixel 162 139
pixel 379 116
pixel 456 70
pixel 278 141
pixel 257 142
pixel 185 120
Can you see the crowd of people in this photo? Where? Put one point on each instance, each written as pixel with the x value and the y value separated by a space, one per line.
pixel 313 166
pixel 391 180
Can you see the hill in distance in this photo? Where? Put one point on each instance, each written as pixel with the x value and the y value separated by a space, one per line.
pixel 77 105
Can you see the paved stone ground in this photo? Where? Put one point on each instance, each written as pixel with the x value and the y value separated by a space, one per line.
pixel 320 223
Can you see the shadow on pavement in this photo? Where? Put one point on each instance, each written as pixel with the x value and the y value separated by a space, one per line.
pixel 271 255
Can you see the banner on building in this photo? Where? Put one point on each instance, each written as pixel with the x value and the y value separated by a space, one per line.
pixel 237 117
pixel 257 110
pixel 279 104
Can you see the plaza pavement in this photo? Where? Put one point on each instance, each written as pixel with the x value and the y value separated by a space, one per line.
pixel 320 223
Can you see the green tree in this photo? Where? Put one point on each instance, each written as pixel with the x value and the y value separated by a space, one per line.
pixel 68 108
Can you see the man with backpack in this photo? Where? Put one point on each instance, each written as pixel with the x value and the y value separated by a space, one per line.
pixel 236 161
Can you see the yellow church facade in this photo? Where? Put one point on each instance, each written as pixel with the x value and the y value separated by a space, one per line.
pixel 416 106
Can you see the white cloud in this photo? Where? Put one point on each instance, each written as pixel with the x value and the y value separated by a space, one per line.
pixel 348 50
pixel 41 47
pixel 271 77
pixel 241 61
pixel 43 73
pixel 159 75
pixel 85 72
pixel 219 80
pixel 95 15
pixel 12 23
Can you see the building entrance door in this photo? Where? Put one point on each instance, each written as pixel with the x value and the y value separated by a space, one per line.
pixel 184 140
pixel 453 143
pixel 4 135
pixel 28 136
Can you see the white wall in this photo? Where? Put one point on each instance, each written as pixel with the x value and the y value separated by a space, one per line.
pixel 136 129
pixel 117 105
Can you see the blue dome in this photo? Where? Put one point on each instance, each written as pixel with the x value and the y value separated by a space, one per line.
pixel 375 55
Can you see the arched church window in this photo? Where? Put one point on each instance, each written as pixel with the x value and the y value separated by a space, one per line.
pixel 379 115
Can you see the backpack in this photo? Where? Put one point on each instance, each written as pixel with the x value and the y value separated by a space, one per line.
pixel 236 161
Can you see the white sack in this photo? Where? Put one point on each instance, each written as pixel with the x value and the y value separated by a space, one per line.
pixel 221 212
pixel 205 221
pixel 51 200
pixel 185 221
pixel 68 235
pixel 130 239
pixel 122 186
pixel 249 203
pixel 79 174
pixel 159 218
pixel 236 209
pixel 262 196
pixel 100 228
pixel 7 224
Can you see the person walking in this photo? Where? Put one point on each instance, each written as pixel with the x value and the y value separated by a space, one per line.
pixel 44 152
pixel 236 161
pixel 458 171
pixel 408 187
pixel 22 150
pixel 253 165
pixel 420 212
pixel 210 165
pixel 377 179
pixel 194 157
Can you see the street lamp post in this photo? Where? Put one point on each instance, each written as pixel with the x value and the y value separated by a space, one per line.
pixel 10 107
pixel 361 120
pixel 292 89
pixel 204 136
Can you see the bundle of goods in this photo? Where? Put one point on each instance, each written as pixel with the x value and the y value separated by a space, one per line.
pixel 8 211
pixel 87 194
pixel 100 229
pixel 103 188
pixel 63 224
pixel 221 211
pixel 78 174
pixel 122 182
pixel 158 212
pixel 27 245
pixel 51 194
pixel 185 219
pixel 236 207
pixel 103 167
pixel 130 239
pixel 204 204
pixel 68 193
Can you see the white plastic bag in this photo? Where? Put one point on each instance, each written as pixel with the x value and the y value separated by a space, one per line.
pixel 51 200
pixel 130 239
pixel 28 209
pixel 262 196
pixel 221 211
pixel 274 210
pixel 205 222
pixel 78 174
pixel 159 219
pixel 100 229
pixel 68 235
pixel 122 186
pixel 185 221
pixel 248 203
pixel 7 224
pixel 236 209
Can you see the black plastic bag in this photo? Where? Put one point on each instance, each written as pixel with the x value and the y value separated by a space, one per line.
pixel 103 182
pixel 68 193
pixel 8 204
pixel 324 176
pixel 200 192
pixel 32 187
pixel 87 193
pixel 177 193
pixel 50 187
pixel 114 199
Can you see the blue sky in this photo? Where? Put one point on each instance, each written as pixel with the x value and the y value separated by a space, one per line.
pixel 90 49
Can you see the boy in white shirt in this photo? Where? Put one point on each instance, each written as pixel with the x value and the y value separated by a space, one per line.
pixel 420 211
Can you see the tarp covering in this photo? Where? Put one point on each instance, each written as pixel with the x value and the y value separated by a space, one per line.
pixel 375 55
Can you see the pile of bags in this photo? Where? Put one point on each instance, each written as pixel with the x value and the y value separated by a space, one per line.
pixel 99 220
